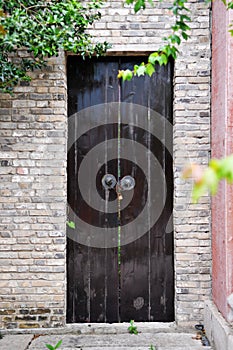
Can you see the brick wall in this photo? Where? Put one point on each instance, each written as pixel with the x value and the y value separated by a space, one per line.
pixel 192 143
pixel 33 201
pixel 33 173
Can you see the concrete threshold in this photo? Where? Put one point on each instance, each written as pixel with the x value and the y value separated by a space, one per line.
pixel 142 341
pixel 153 335
pixel 16 341
pixel 103 328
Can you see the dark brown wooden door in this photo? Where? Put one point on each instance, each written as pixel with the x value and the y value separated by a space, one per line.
pixel 120 254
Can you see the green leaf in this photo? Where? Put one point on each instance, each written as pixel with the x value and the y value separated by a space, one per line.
pixel 163 59
pixel 127 75
pixel 225 170
pixel 198 191
pixel 58 345
pixel 71 224
pixel 175 28
pixel 50 347
pixel 210 179
pixel 150 69
pixel 214 164
pixel 185 17
pixel 139 4
pixel 141 70
pixel 185 35
pixel 176 39
pixel 132 328
pixel 208 182
pixel 174 51
pixel 152 347
pixel 183 26
pixel 153 57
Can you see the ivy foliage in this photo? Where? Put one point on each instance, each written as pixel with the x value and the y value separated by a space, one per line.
pixel 179 31
pixel 43 28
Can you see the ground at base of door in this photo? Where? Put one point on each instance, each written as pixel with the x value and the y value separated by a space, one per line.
pixel 142 341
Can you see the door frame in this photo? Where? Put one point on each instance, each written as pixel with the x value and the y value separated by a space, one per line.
pixel 144 54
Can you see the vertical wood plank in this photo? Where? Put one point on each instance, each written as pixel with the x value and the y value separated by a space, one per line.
pixel 162 274
pixel 92 284
pixel 134 292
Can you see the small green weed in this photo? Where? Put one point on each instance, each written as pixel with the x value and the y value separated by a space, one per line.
pixel 50 347
pixel 132 328
pixel 70 224
pixel 152 347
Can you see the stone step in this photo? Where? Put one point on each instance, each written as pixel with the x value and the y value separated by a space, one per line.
pixel 142 341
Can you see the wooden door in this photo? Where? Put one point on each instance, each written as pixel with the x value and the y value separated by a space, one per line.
pixel 132 277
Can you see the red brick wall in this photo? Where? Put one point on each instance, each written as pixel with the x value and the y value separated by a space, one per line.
pixel 222 144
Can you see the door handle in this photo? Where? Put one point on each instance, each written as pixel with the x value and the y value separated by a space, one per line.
pixel 127 183
pixel 109 181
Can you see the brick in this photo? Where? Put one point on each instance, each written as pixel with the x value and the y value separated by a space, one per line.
pixel 29 325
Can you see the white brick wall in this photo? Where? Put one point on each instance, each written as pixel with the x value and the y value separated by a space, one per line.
pixel 33 201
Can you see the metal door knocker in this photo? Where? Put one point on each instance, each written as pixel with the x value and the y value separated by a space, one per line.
pixel 127 183
pixel 109 181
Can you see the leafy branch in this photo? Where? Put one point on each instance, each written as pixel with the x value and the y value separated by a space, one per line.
pixel 208 179
pixel 43 28
pixel 170 49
